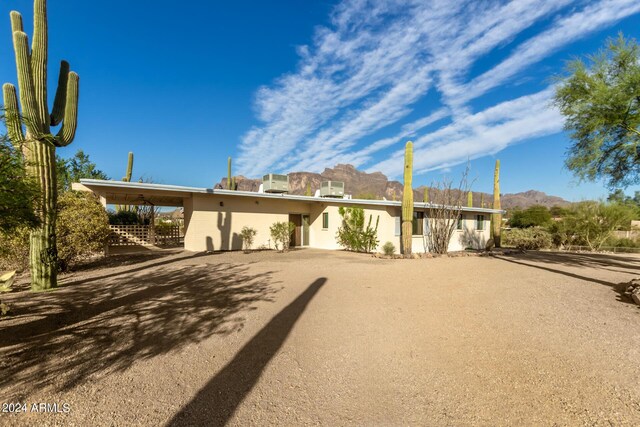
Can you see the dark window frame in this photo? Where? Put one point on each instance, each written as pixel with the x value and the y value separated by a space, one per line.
pixel 325 220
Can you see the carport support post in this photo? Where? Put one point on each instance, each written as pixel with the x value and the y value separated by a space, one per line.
pixel 152 230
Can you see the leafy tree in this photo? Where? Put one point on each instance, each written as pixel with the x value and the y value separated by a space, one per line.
pixel 592 223
pixel 601 105
pixel 18 192
pixel 558 211
pixel 73 169
pixel 535 216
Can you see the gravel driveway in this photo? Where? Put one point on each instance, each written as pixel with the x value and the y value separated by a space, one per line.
pixel 317 337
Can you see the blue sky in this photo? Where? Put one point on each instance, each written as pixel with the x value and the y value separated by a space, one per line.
pixel 289 85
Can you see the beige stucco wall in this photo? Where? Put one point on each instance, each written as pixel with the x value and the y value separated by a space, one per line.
pixel 213 222
pixel 214 227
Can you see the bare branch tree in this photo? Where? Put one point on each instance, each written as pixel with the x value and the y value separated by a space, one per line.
pixel 444 212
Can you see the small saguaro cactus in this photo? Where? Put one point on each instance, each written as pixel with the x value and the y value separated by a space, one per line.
pixel 308 191
pixel 425 195
pixel 482 200
pixel 470 199
pixel 407 200
pixel 496 218
pixel 127 177
pixel 229 187
pixel 38 143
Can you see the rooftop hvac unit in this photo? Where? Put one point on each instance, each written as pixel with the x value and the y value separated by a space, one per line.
pixel 332 189
pixel 274 183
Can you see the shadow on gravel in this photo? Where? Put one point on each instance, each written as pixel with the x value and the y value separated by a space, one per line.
pixel 104 324
pixel 547 260
pixel 217 401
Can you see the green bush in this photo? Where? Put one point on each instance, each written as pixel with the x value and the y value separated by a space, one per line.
pixel 82 227
pixel 124 218
pixel 388 248
pixel 248 234
pixel 527 238
pixel 535 216
pixel 353 235
pixel 281 234
pixel 14 249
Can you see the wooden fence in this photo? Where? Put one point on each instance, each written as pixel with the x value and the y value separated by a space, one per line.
pixel 144 235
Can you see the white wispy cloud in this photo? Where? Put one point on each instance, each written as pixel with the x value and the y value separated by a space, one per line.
pixel 366 73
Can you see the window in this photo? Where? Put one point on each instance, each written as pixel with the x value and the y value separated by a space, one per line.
pixel 325 220
pixel 459 223
pixel 479 222
pixel 417 223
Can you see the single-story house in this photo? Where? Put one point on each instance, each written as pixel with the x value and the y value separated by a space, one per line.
pixel 213 218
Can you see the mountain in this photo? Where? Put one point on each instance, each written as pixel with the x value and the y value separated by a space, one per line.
pixel 376 185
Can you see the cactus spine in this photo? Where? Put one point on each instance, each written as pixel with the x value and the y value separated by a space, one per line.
pixel 407 200
pixel 38 143
pixel 470 199
pixel 229 187
pixel 496 218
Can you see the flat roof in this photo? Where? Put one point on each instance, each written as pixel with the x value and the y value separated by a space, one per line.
pixel 175 190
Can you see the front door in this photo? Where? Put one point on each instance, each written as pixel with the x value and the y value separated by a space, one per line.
pixel 296 234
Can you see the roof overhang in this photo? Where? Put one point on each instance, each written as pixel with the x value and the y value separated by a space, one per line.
pixel 121 192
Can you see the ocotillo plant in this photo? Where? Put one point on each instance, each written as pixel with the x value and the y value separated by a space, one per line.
pixel 470 199
pixel 38 143
pixel 229 187
pixel 407 200
pixel 496 218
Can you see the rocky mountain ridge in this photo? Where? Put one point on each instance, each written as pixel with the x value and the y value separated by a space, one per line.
pixel 376 186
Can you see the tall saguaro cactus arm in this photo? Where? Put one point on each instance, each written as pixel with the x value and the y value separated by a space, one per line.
pixel 25 82
pixel 407 200
pixel 12 115
pixel 70 121
pixel 59 102
pixel 496 217
pixel 39 53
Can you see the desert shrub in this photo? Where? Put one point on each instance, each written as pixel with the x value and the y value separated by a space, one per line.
pixel 248 234
pixel 281 234
pixel 163 228
pixel 14 249
pixel 535 216
pixel 353 235
pixel 528 238
pixel 82 227
pixel 590 224
pixel 124 218
pixel 389 248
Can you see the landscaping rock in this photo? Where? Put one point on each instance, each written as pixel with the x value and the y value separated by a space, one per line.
pixel 633 290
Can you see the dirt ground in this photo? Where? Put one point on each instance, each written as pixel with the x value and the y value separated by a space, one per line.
pixel 316 337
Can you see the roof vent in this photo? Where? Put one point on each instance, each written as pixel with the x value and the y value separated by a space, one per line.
pixel 274 183
pixel 332 189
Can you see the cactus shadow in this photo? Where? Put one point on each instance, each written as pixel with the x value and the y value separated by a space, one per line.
pixel 88 329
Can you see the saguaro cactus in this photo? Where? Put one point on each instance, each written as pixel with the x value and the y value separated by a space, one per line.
pixel 127 177
pixel 496 218
pixel 229 187
pixel 425 196
pixel 407 200
pixel 482 200
pixel 38 143
pixel 470 199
